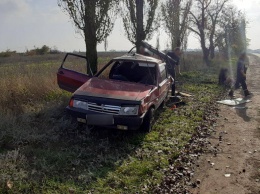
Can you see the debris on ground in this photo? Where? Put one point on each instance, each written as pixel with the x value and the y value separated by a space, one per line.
pixel 9 184
pixel 227 175
pixel 178 176
pixel 234 102
pixel 238 107
pixel 183 94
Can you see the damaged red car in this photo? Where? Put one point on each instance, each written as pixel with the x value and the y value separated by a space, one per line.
pixel 124 94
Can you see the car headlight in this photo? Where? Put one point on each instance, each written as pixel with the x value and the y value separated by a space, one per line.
pixel 129 110
pixel 80 104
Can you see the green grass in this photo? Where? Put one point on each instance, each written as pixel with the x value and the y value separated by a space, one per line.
pixel 43 151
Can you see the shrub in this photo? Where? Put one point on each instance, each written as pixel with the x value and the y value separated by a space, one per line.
pixel 7 53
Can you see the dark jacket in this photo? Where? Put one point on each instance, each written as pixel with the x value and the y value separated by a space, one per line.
pixel 174 57
pixel 241 68
pixel 171 66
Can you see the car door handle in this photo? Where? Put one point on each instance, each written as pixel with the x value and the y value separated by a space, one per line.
pixel 61 72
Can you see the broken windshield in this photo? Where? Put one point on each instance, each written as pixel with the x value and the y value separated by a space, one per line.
pixel 130 71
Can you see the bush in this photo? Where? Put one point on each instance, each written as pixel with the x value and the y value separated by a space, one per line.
pixel 7 53
pixel 39 51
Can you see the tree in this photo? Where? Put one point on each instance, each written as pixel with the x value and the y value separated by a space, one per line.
pixel 7 53
pixel 44 50
pixel 158 41
pixel 204 21
pixel 175 14
pixel 105 44
pixel 95 19
pixel 139 20
pixel 231 36
pixel 214 15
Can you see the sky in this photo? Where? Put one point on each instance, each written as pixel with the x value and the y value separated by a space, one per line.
pixel 25 24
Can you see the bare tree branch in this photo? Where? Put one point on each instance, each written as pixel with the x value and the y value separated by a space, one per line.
pixel 176 20
pixel 139 24
pixel 205 21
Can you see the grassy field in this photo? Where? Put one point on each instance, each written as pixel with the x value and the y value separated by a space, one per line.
pixel 43 151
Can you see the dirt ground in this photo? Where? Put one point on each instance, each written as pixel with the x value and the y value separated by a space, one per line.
pixel 232 163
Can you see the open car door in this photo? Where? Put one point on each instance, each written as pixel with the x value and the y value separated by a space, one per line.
pixel 73 72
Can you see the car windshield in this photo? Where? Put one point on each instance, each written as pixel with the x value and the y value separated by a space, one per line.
pixel 130 71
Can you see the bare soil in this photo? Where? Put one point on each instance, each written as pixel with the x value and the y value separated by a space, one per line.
pixel 235 147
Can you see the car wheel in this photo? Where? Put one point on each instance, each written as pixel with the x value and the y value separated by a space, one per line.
pixel 148 121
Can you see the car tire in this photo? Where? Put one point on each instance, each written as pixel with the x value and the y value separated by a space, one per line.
pixel 148 121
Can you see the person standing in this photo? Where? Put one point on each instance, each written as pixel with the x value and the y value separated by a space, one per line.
pixel 175 55
pixel 241 74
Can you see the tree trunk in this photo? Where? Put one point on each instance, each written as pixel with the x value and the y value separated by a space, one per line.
pixel 205 50
pixel 90 38
pixel 177 23
pixel 211 44
pixel 91 54
pixel 212 51
pixel 172 42
pixel 206 55
pixel 140 26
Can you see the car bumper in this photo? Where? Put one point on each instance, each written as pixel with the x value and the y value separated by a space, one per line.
pixel 99 119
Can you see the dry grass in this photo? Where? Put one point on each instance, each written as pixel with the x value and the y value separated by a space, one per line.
pixel 192 61
pixel 27 80
pixel 23 85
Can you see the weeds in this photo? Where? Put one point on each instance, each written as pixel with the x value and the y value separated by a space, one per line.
pixel 12 168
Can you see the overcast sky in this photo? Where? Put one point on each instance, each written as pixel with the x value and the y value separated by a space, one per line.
pixel 28 23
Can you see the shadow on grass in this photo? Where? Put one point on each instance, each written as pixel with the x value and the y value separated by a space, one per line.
pixel 58 149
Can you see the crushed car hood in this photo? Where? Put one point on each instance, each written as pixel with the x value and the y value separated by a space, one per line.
pixel 114 89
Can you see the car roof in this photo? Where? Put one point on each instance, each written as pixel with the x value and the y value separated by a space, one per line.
pixel 137 57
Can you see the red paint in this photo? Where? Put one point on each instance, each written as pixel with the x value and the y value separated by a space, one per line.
pixel 114 89
pixel 70 80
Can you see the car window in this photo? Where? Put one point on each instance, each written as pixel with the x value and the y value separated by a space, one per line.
pixel 76 63
pixel 104 74
pixel 163 74
pixel 130 71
